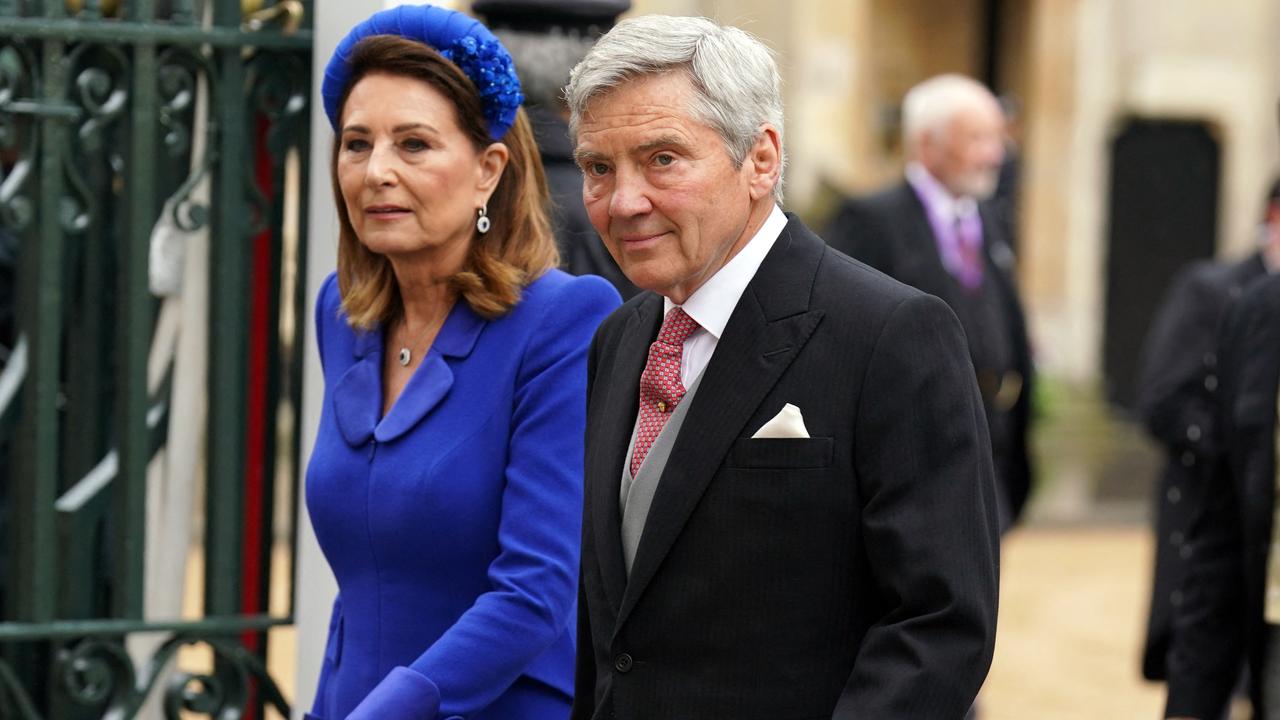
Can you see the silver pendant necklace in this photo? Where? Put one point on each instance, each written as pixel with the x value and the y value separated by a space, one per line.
pixel 406 351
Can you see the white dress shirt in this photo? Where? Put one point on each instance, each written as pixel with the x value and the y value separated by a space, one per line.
pixel 948 206
pixel 712 304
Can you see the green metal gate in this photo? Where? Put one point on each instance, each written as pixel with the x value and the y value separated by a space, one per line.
pixel 112 114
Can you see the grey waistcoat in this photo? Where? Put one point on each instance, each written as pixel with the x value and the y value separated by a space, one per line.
pixel 636 493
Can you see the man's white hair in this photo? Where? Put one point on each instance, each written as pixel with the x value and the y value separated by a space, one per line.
pixel 735 80
pixel 930 106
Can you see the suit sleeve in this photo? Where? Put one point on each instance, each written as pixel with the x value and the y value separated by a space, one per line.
pixel 923 464
pixel 584 674
pixel 533 579
pixel 1173 396
pixel 1208 642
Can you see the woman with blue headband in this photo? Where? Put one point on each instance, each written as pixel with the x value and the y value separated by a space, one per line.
pixel 446 482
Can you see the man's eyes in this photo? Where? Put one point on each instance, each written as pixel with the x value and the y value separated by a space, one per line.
pixel 600 169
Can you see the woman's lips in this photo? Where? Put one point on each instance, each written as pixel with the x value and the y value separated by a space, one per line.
pixel 385 212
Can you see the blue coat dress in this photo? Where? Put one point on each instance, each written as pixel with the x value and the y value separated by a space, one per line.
pixel 453 523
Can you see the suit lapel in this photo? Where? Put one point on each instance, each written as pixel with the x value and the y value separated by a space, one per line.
pixel 357 396
pixel 622 380
pixel 924 268
pixel 765 333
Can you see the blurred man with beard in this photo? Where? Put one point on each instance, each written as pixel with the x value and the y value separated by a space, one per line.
pixel 936 231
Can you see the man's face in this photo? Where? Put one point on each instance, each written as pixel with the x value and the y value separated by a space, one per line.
pixel 660 187
pixel 966 154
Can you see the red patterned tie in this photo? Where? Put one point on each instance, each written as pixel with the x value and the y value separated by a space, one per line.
pixel 660 385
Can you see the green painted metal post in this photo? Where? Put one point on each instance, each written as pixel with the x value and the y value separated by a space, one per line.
pixel 228 327
pixel 36 482
pixel 135 322
pixel 87 315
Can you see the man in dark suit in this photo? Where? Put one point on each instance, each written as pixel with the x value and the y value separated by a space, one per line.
pixel 1231 610
pixel 546 39
pixel 789 507
pixel 1177 399
pixel 934 231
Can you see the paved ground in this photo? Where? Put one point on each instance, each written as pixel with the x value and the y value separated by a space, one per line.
pixel 1072 618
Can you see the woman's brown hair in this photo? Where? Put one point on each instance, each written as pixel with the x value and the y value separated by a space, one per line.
pixel 519 246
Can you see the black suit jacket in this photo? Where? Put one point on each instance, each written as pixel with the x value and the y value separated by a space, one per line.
pixel 890 231
pixel 1220 622
pixel 1177 399
pixel 849 574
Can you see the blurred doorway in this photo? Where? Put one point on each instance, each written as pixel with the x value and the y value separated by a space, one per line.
pixel 1163 213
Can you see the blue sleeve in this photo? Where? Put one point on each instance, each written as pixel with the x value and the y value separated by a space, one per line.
pixel 332 650
pixel 326 308
pixel 534 578
pixel 326 299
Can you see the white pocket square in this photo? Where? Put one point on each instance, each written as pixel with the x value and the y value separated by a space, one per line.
pixel 788 423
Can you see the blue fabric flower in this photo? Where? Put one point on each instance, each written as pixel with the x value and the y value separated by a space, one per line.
pixel 459 38
pixel 489 66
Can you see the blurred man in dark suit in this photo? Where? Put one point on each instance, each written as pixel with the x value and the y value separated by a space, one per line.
pixel 1177 400
pixel 546 39
pixel 935 231
pixel 1230 615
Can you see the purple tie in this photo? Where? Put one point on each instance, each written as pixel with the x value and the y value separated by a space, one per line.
pixel 969 248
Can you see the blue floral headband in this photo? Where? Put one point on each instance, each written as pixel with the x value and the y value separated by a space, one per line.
pixel 460 39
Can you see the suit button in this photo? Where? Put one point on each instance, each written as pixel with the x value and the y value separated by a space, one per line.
pixel 1174 495
pixel 1193 433
pixel 623 663
pixel 1188 459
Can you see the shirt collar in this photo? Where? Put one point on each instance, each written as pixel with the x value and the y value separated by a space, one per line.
pixel 936 195
pixel 712 304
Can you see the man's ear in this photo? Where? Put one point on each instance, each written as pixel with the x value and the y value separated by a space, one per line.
pixel 492 161
pixel 765 162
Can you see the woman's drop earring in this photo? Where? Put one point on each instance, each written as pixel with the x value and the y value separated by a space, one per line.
pixel 482 222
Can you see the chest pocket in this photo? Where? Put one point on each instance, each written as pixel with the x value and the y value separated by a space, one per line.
pixel 781 453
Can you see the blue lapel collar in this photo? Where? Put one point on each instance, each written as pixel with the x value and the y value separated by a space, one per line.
pixel 357 397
